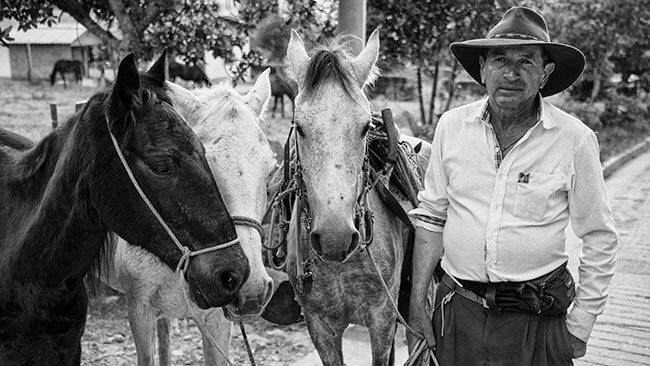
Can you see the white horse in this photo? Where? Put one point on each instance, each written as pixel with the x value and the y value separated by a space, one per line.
pixel 241 161
pixel 331 216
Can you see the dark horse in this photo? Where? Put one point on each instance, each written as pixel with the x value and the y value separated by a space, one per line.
pixel 62 67
pixel 189 73
pixel 60 200
pixel 279 88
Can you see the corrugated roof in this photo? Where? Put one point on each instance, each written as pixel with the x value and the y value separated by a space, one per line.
pixel 73 34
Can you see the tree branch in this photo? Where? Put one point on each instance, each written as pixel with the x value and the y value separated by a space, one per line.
pixel 82 15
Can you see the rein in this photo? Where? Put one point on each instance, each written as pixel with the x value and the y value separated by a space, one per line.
pixel 184 262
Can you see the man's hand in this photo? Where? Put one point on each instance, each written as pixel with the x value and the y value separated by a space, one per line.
pixel 578 347
pixel 420 321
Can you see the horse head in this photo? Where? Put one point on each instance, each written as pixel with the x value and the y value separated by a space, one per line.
pixel 241 160
pixel 331 119
pixel 168 165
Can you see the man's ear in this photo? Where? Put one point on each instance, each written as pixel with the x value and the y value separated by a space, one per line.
pixel 548 70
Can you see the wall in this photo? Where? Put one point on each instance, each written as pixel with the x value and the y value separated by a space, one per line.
pixel 5 64
pixel 43 59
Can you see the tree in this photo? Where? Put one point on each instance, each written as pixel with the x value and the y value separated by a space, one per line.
pixel 611 33
pixel 190 27
pixel 419 32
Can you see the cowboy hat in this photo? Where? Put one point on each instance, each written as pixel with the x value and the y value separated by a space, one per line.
pixel 521 26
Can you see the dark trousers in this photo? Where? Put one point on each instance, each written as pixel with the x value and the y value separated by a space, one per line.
pixel 476 336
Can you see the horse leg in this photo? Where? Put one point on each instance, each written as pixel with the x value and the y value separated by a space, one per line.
pixel 65 85
pixel 282 105
pixel 275 105
pixel 143 327
pixel 327 337
pixel 164 351
pixel 215 331
pixel 382 334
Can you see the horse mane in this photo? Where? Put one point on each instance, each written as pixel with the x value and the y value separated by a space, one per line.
pixel 327 65
pixel 226 102
pixel 34 169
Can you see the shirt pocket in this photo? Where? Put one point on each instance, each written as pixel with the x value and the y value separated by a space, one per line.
pixel 532 197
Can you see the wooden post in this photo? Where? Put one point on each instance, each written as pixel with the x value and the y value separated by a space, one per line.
pixel 352 20
pixel 80 105
pixel 29 62
pixel 54 116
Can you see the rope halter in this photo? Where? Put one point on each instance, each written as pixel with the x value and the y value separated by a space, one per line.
pixel 184 262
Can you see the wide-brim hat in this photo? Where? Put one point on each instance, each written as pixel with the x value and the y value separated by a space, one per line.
pixel 521 26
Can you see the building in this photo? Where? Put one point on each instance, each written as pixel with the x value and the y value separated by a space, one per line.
pixel 32 53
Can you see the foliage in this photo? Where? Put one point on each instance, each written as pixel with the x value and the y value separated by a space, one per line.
pixel 611 33
pixel 314 21
pixel 419 33
pixel 188 28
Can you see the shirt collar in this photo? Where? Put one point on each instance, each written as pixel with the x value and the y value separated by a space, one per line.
pixel 482 114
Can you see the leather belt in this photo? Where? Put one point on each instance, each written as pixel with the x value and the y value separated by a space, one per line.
pixel 453 285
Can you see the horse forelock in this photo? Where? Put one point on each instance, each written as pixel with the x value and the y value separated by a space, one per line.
pixel 329 65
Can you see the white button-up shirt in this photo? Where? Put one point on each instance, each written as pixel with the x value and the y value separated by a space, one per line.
pixel 506 220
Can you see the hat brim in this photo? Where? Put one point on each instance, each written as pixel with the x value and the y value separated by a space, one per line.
pixel 569 61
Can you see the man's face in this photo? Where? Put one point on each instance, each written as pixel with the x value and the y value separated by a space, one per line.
pixel 514 75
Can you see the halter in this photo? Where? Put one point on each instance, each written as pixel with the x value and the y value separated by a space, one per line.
pixel 184 262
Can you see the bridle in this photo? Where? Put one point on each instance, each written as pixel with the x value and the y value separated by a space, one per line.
pixel 184 262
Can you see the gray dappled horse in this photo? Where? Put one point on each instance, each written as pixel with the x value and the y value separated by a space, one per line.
pixel 331 214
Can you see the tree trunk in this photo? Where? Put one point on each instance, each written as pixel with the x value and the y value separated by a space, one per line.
pixel 434 92
pixel 452 86
pixel 420 97
pixel 596 88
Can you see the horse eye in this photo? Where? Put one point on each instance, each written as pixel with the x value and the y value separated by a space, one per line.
pixel 160 168
pixel 299 130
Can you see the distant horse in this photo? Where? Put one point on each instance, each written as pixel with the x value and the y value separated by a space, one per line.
pixel 279 88
pixel 241 161
pixel 63 67
pixel 127 163
pixel 335 211
pixel 189 73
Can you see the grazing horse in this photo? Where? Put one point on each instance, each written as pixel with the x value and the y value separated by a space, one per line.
pixel 279 88
pixel 336 280
pixel 63 67
pixel 189 73
pixel 241 161
pixel 128 164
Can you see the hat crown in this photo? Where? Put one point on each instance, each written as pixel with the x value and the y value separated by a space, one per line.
pixel 521 23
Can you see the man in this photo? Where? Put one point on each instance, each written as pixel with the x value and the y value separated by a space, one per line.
pixel 505 176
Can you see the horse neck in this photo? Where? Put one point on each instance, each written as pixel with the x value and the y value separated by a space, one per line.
pixel 56 231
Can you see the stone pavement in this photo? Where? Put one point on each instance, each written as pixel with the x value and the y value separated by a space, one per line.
pixel 621 336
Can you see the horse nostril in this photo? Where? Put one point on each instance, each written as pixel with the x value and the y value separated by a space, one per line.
pixel 229 280
pixel 355 241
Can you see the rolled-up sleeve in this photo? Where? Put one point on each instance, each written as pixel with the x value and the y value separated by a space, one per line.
pixel 592 221
pixel 431 213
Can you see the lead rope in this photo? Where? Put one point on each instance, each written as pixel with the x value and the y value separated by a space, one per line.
pixel 184 262
pixel 420 345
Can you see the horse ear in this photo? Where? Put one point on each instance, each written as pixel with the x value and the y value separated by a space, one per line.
pixel 183 99
pixel 159 69
pixel 258 97
pixel 297 57
pixel 126 86
pixel 364 64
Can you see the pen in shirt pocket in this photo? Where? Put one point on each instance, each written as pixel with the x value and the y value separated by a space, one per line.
pixel 523 177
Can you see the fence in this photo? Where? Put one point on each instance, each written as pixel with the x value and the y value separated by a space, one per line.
pixel 54 112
